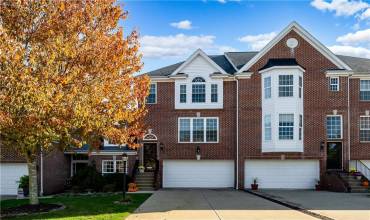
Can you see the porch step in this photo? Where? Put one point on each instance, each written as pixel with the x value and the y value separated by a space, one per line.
pixel 359 190
pixel 145 181
pixel 354 184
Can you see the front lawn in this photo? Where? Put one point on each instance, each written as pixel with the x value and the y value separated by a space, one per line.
pixel 83 207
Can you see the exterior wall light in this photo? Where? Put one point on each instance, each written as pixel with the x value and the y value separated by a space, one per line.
pixel 197 153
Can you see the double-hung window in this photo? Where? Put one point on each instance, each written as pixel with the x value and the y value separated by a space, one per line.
pixel 285 85
pixel 211 130
pixel 184 130
pixel 113 166
pixel 198 130
pixel 198 90
pixel 152 97
pixel 300 87
pixel 182 93
pixel 267 87
pixel 334 84
pixel 267 125
pixel 214 93
pixel 286 126
pixel 365 128
pixel 334 126
pixel 365 90
pixel 107 166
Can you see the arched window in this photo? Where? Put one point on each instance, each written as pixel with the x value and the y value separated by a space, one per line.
pixel 198 90
pixel 198 79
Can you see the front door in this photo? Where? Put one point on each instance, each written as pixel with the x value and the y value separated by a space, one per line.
pixel 334 156
pixel 150 156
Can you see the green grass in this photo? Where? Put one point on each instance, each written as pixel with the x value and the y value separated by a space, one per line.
pixel 83 207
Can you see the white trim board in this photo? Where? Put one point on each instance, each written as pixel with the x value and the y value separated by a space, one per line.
pixel 193 56
pixel 306 36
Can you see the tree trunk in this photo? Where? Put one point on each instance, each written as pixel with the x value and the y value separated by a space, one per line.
pixel 32 172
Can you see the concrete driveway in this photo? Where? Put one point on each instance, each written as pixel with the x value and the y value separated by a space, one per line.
pixel 339 206
pixel 212 205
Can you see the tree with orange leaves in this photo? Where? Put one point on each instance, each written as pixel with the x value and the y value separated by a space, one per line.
pixel 67 77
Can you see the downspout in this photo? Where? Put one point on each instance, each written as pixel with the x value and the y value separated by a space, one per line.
pixel 237 134
pixel 41 173
pixel 349 119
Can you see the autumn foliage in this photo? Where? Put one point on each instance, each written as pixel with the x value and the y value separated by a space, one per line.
pixel 66 76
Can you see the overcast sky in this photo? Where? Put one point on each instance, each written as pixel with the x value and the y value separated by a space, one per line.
pixel 171 30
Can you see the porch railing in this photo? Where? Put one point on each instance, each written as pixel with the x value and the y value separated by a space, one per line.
pixel 361 167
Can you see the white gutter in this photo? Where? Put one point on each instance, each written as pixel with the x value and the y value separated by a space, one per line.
pixel 237 134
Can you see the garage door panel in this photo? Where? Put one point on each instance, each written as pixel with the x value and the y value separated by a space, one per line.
pixel 203 173
pixel 10 174
pixel 287 174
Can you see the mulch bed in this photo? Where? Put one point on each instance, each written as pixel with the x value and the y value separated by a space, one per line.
pixel 30 209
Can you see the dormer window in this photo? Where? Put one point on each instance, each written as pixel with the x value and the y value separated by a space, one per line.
pixel 198 90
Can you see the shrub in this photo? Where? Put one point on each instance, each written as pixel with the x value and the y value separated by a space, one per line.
pixel 117 180
pixel 24 182
pixel 88 178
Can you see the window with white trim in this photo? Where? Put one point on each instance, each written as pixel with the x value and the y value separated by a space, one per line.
pixel 152 97
pixel 107 166
pixel 184 130
pixel 198 130
pixel 214 92
pixel 267 87
pixel 182 93
pixel 300 90
pixel 119 166
pixel 334 126
pixel 113 166
pixel 365 128
pixel 285 85
pixel 267 125
pixel 365 90
pixel 286 126
pixel 300 127
pixel 334 84
pixel 198 90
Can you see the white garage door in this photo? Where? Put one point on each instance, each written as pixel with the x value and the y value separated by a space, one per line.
pixel 282 174
pixel 10 174
pixel 202 174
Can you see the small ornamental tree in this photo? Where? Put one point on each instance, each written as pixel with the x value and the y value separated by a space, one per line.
pixel 66 77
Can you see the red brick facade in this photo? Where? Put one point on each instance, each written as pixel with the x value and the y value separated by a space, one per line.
pixel 318 102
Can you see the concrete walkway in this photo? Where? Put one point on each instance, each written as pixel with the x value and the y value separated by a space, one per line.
pixel 212 205
pixel 339 206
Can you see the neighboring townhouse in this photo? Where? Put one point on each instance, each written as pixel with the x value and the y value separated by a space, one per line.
pixel 285 115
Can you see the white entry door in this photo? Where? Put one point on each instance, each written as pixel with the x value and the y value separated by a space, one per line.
pixel 10 174
pixel 198 174
pixel 282 174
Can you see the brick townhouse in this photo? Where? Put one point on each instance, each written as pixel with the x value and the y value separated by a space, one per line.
pixel 285 115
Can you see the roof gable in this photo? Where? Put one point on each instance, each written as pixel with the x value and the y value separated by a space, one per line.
pixel 197 53
pixel 306 36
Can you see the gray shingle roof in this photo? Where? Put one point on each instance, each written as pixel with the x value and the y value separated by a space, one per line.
pixel 238 59
pixel 223 63
pixel 356 63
